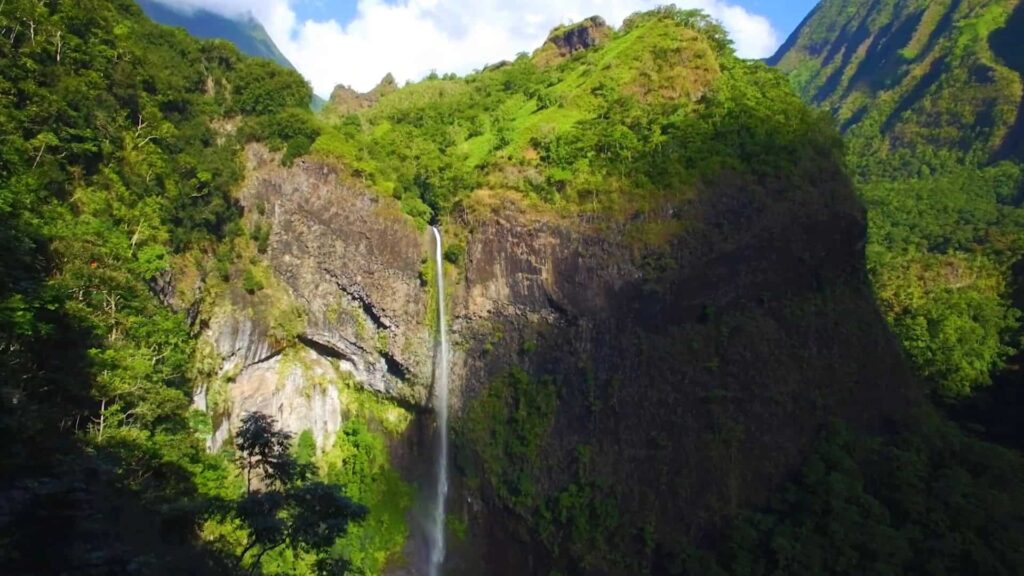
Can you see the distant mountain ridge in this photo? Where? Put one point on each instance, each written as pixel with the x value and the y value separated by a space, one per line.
pixel 930 97
pixel 246 33
pixel 934 73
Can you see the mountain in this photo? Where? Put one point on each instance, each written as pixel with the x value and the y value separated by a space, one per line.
pixel 658 290
pixel 929 96
pixel 244 32
pixel 941 74
pixel 220 320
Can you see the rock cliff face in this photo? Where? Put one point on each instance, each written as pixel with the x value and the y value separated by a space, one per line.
pixel 688 375
pixel 564 41
pixel 347 275
pixel 690 378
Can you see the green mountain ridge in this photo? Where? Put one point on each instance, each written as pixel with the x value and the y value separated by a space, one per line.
pixel 929 96
pixel 244 32
pixel 895 67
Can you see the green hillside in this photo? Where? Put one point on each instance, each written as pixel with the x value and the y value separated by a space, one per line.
pixel 246 33
pixel 644 117
pixel 121 151
pixel 928 95
pixel 640 123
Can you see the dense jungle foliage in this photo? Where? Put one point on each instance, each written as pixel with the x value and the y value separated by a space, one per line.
pixel 616 129
pixel 931 501
pixel 120 151
pixel 929 96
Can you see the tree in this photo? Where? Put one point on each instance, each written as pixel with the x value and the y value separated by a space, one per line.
pixel 265 450
pixel 283 508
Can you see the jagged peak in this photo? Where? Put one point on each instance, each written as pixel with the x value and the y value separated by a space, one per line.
pixel 566 40
pixel 387 85
pixel 346 100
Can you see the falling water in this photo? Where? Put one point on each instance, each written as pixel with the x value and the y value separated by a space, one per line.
pixel 441 409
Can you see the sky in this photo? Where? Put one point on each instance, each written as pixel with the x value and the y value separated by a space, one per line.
pixel 357 42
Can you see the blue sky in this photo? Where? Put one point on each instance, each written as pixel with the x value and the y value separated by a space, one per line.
pixel 785 15
pixel 357 42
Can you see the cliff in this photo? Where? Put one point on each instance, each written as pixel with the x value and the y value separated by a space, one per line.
pixel 344 301
pixel 668 388
pixel 564 41
pixel 640 355
pixel 675 383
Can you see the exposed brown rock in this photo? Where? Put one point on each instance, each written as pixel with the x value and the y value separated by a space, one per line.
pixel 344 100
pixel 350 260
pixel 564 41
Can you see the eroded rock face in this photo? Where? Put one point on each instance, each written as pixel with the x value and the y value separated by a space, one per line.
pixel 581 36
pixel 565 41
pixel 298 391
pixel 344 100
pixel 348 265
pixel 353 261
pixel 693 369
pixel 694 373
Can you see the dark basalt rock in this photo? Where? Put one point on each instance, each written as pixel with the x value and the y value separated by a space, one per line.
pixel 581 36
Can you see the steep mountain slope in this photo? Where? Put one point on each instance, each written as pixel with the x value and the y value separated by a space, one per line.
pixel 929 96
pixel 246 33
pixel 659 297
pixel 924 74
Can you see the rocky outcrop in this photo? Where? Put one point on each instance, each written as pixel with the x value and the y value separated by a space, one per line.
pixel 344 100
pixel 580 36
pixel 298 390
pixel 346 277
pixel 691 370
pixel 565 41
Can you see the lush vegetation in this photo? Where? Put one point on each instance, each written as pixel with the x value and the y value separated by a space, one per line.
pixel 928 502
pixel 505 430
pixel 120 148
pixel 357 460
pixel 930 109
pixel 945 223
pixel 353 480
pixel 282 506
pixel 617 128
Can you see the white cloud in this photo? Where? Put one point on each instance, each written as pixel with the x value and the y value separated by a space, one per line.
pixel 409 38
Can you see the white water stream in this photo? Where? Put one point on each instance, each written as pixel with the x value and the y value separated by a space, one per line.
pixel 441 365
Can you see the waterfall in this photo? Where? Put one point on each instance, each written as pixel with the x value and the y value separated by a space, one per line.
pixel 441 409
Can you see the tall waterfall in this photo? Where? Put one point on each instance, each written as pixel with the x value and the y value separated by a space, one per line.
pixel 441 409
